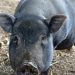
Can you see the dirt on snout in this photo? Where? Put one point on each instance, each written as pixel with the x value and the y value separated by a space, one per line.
pixel 63 63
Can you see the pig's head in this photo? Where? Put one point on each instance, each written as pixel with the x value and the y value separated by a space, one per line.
pixel 31 42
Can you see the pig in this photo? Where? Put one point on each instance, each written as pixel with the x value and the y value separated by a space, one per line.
pixel 37 28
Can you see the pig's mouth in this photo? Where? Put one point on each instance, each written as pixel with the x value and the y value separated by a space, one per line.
pixel 28 70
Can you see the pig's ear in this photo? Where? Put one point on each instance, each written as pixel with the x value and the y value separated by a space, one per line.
pixel 56 22
pixel 6 22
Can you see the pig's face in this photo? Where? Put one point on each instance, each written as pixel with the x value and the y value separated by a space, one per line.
pixel 29 43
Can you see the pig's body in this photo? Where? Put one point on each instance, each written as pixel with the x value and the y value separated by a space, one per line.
pixel 48 8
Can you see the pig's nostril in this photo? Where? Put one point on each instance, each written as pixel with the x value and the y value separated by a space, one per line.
pixel 23 71
pixel 28 69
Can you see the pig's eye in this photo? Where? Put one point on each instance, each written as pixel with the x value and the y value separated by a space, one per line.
pixel 44 39
pixel 15 40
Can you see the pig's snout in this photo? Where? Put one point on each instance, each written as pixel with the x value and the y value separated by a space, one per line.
pixel 28 69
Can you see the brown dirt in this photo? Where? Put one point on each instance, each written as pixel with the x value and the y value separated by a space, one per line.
pixel 63 63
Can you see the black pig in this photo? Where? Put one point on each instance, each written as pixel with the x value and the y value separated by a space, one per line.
pixel 37 28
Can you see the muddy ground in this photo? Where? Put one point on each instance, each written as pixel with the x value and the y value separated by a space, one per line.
pixel 63 63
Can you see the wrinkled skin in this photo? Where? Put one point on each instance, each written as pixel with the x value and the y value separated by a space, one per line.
pixel 37 28
pixel 30 43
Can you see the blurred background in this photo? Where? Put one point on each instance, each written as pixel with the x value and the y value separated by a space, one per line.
pixel 63 63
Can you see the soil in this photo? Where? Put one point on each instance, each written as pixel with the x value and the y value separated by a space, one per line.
pixel 63 62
